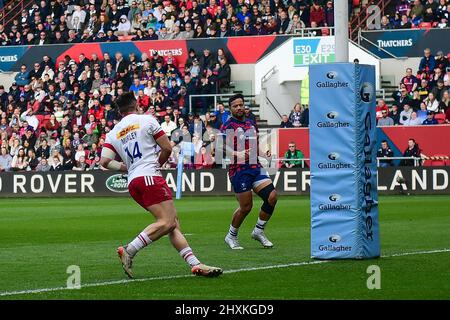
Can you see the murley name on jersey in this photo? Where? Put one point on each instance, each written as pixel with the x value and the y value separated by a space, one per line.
pixel 128 137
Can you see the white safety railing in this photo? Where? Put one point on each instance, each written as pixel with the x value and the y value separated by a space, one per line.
pixel 216 95
pixel 227 161
pixel 416 159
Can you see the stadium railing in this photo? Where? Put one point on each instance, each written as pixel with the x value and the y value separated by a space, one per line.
pixel 416 159
pixel 267 162
pixel 214 95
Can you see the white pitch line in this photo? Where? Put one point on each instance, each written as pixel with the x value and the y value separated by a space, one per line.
pixel 296 264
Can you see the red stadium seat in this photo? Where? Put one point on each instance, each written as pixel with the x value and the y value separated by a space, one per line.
pixel 440 117
pixel 125 38
pixel 425 25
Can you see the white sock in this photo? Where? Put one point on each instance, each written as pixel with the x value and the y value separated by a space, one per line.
pixel 189 256
pixel 260 225
pixel 140 242
pixel 233 232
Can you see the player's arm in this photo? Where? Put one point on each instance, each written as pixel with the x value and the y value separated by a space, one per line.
pixel 166 148
pixel 108 161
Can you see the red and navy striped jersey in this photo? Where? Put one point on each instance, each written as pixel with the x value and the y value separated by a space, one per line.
pixel 242 135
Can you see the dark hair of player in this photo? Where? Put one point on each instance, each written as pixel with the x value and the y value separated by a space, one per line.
pixel 126 103
pixel 235 97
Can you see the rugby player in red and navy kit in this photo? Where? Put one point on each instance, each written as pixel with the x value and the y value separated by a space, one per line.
pixel 136 140
pixel 246 174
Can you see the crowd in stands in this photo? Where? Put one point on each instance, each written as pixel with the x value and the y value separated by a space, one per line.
pixel 56 116
pixel 423 98
pixel 418 13
pixel 74 21
pixel 299 117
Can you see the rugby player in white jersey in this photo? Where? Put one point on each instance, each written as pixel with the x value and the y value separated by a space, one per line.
pixel 135 139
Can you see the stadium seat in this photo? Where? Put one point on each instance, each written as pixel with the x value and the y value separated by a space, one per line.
pixel 440 117
pixel 425 25
pixel 125 38
pixel 325 31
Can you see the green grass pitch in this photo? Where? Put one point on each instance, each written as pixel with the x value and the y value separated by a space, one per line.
pixel 40 238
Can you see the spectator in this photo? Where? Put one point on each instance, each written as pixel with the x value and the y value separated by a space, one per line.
pixel 395 115
pixel 285 123
pixel 224 76
pixel 19 162
pixel 410 81
pixel 444 104
pixel 304 117
pixel 43 166
pixel 31 159
pixel 416 100
pixel 412 150
pixel 315 30
pixel 317 14
pixel 197 126
pixel 168 125
pixel 5 159
pixel 249 114
pixel 385 120
pixel 222 114
pixel 405 23
pixel 439 89
pixel 204 159
pixel 431 103
pixel 427 63
pixel 295 115
pixel 441 60
pixel 436 76
pixel 214 121
pixel 329 14
pixel 413 121
pixel 405 115
pixel 197 142
pixel 385 152
pixel 68 159
pixel 430 120
pixel 295 27
pixel 81 165
pixel 423 89
pixel 293 157
pixel 22 78
pixel 385 24
pixel 430 11
pixel 56 165
pixel 417 11
pixel 402 97
pixel 30 118
pixel 381 106
pixel 283 23
pixel 403 7
pixel 422 112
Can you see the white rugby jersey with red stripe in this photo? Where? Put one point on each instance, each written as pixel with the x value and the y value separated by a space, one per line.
pixel 134 140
